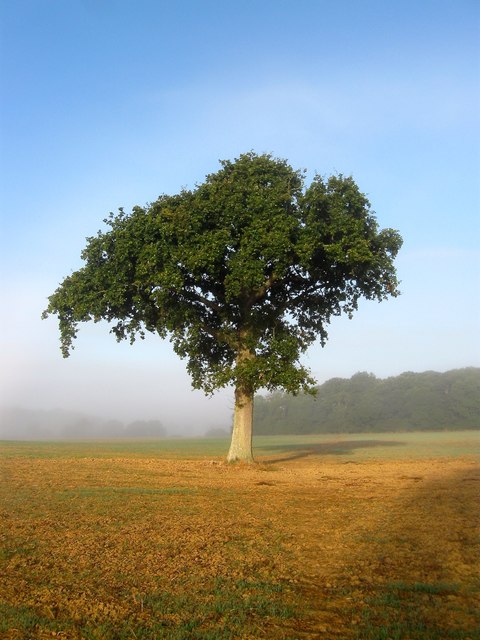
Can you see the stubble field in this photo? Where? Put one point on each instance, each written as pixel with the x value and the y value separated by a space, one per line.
pixel 370 537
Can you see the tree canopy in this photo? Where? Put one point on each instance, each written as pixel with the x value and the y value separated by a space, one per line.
pixel 242 273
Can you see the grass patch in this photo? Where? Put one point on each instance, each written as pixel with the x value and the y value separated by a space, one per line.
pixel 366 446
pixel 102 492
pixel 25 620
pixel 224 610
pixel 422 587
pixel 362 446
pixel 170 448
pixel 400 610
pixel 8 551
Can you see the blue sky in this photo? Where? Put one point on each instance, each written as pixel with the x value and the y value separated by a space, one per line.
pixel 111 103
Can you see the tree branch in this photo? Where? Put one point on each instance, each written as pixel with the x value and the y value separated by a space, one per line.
pixel 262 291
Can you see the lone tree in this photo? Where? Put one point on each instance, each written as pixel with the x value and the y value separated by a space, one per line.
pixel 243 273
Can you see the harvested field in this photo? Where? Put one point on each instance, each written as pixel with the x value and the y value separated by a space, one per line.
pixel 319 540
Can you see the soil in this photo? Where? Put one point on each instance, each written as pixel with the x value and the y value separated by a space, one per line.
pixel 350 547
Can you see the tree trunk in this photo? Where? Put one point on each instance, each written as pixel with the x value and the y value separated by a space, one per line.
pixel 241 445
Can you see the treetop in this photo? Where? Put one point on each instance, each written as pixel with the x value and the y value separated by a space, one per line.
pixel 242 273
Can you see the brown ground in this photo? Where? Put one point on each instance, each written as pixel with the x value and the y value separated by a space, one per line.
pixel 353 547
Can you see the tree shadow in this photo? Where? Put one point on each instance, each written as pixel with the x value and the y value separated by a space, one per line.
pixel 296 451
pixel 407 566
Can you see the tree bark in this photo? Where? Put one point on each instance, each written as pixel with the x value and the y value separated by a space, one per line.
pixel 241 445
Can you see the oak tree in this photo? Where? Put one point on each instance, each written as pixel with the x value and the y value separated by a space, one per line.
pixel 242 273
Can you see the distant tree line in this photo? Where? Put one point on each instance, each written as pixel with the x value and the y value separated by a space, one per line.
pixel 408 402
pixel 27 424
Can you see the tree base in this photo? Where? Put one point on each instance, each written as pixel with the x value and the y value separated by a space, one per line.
pixel 232 459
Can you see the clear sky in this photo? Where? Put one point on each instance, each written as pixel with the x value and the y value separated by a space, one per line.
pixel 109 103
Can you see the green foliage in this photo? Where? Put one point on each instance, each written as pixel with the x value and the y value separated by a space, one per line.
pixel 365 403
pixel 242 273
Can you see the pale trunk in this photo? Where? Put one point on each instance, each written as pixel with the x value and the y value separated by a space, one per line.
pixel 241 445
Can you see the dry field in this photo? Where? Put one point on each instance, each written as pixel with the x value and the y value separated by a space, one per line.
pixel 341 538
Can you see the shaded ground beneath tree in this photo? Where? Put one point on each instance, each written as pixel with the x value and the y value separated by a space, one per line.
pixel 340 448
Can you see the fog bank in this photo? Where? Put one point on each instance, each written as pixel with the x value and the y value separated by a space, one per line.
pixel 18 423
